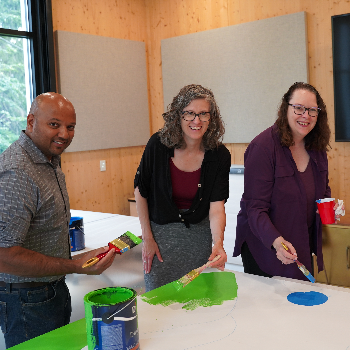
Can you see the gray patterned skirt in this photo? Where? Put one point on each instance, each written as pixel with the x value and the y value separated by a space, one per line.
pixel 183 249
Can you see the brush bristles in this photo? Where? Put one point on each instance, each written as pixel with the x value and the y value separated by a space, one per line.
pixel 185 280
pixel 126 241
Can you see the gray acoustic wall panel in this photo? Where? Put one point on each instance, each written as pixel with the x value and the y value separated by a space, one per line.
pixel 248 67
pixel 106 80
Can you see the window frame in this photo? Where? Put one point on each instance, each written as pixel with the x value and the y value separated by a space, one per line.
pixel 341 69
pixel 42 45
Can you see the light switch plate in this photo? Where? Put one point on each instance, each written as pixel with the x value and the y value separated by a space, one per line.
pixel 102 165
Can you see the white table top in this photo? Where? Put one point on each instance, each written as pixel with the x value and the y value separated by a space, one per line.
pixel 260 317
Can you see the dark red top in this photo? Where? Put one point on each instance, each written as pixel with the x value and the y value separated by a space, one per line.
pixel 184 184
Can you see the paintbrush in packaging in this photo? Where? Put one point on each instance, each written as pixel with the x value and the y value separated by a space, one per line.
pixel 189 277
pixel 121 244
pixel 301 267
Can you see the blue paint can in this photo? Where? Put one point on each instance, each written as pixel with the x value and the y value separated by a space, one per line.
pixel 111 319
pixel 76 233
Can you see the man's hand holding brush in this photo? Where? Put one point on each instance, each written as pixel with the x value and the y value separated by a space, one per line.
pixel 100 266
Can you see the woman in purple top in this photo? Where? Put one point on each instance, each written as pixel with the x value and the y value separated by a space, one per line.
pixel 286 170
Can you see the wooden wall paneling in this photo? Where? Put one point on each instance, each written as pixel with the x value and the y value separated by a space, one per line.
pixel 238 11
pixel 118 19
pixel 167 18
pixel 91 189
pixel 124 163
pixel 237 152
pixel 337 170
pixel 88 188
pixel 218 13
pixel 154 20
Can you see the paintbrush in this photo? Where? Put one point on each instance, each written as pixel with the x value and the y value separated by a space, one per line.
pixel 301 267
pixel 121 244
pixel 189 277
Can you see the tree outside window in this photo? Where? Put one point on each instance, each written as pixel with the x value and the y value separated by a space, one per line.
pixel 25 44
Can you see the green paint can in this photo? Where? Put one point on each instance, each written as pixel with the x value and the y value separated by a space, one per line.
pixel 111 319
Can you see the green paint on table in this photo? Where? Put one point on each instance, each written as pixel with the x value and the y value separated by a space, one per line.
pixel 207 289
pixel 70 337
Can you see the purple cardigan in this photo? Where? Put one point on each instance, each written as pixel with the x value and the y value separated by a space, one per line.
pixel 274 204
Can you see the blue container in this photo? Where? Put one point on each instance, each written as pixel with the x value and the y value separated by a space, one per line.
pixel 111 319
pixel 76 233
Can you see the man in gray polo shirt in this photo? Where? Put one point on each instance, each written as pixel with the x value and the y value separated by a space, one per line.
pixel 34 225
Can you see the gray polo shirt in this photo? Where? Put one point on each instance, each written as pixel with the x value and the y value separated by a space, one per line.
pixel 34 204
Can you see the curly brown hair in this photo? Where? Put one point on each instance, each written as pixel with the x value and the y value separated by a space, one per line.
pixel 318 138
pixel 171 135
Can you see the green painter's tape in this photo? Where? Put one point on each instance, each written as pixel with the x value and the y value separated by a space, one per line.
pixel 207 289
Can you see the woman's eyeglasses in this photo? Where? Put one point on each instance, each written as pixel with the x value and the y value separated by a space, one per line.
pixel 300 110
pixel 190 116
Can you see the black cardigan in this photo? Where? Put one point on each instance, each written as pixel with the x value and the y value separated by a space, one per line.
pixel 154 182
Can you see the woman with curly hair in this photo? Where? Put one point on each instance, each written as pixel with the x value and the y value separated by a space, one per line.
pixel 286 171
pixel 181 186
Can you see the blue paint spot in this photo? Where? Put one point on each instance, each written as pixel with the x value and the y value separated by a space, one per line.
pixel 307 298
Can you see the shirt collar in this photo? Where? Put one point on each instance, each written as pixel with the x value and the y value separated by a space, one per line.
pixel 34 152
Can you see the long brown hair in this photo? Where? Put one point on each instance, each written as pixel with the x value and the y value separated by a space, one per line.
pixel 318 138
pixel 171 135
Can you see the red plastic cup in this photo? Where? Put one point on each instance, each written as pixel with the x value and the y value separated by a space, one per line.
pixel 326 212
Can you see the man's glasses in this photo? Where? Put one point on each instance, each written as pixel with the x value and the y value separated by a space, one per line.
pixel 300 110
pixel 190 116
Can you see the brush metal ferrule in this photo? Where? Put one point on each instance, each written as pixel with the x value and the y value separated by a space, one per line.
pixel 307 274
pixel 193 274
pixel 303 269
pixel 120 245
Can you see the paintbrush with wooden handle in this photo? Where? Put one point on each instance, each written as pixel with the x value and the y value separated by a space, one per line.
pixel 189 277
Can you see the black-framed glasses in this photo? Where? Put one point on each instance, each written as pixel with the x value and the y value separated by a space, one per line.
pixel 300 110
pixel 190 116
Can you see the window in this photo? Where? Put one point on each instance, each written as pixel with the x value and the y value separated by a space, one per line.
pixel 341 76
pixel 26 62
